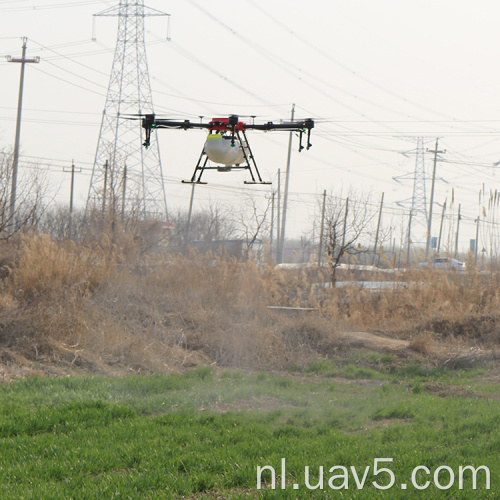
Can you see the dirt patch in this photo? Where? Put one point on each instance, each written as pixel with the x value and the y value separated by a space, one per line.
pixel 493 377
pixel 374 341
pixel 450 352
pixel 447 390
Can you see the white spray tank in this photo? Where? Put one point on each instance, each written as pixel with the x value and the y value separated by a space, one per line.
pixel 224 149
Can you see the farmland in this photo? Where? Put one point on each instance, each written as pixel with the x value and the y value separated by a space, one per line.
pixel 203 433
pixel 167 376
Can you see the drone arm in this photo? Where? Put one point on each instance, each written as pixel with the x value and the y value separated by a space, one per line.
pixel 299 127
pixel 291 126
pixel 150 122
pixel 183 125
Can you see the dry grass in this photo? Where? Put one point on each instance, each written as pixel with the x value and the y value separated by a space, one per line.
pixel 97 306
pixel 423 343
pixel 48 268
pixel 446 304
pixel 104 306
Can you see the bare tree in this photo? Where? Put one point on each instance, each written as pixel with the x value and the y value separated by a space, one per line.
pixel 252 221
pixel 30 197
pixel 56 222
pixel 205 226
pixel 346 222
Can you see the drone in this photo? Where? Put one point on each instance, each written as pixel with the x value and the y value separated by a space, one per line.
pixel 227 143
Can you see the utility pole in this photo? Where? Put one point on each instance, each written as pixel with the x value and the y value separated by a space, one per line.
pixel 409 239
pixel 477 238
pixel 15 161
pixel 124 189
pixel 345 222
pixel 285 195
pixel 278 232
pixel 429 222
pixel 71 193
pixel 458 227
pixel 378 229
pixel 321 229
pixel 72 189
pixel 441 226
pixel 272 221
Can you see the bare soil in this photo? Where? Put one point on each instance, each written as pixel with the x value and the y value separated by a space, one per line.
pixel 375 341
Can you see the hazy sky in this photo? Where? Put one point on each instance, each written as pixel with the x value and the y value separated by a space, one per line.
pixel 374 76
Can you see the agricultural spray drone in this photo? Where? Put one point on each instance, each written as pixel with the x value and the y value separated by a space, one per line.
pixel 227 144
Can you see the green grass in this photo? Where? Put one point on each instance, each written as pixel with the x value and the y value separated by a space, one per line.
pixel 202 434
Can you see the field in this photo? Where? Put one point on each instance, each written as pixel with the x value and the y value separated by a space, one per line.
pixel 134 374
pixel 203 433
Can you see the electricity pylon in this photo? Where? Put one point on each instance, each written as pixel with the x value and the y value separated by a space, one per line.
pixel 125 174
pixel 418 201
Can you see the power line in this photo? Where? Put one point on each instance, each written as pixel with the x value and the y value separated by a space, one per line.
pixel 54 122
pixel 86 66
pixel 207 67
pixel 290 69
pixel 70 83
pixel 65 111
pixel 51 6
pixel 344 66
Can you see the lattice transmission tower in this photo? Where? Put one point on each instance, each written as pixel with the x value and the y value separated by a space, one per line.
pixel 419 216
pixel 126 176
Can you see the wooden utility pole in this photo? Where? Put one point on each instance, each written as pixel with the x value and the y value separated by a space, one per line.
pixel 278 232
pixel 71 196
pixel 285 194
pixel 321 229
pixel 345 222
pixel 15 161
pixel 378 229
pixel 477 238
pixel 441 226
pixel 458 227
pixel 273 196
pixel 409 240
pixel 429 222
pixel 124 189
